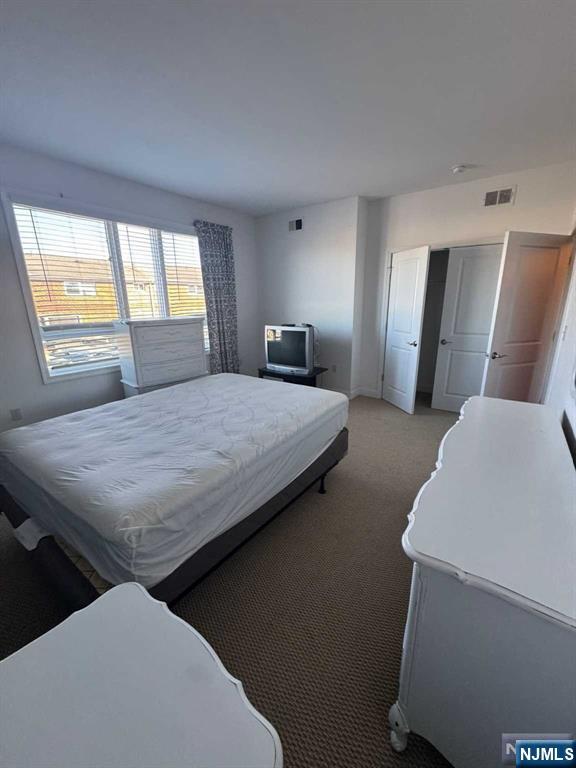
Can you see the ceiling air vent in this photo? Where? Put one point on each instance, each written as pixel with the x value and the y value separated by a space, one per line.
pixel 500 197
pixel 294 225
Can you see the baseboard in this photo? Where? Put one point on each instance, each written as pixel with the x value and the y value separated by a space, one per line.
pixel 342 391
pixel 365 392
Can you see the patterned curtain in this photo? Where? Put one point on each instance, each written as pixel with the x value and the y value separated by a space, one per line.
pixel 217 259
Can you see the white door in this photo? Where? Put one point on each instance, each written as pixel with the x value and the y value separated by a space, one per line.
pixel 528 301
pixel 469 298
pixel 409 272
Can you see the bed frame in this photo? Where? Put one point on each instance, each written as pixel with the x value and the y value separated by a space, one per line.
pixel 79 592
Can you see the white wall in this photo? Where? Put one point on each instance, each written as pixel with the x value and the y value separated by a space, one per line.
pixel 545 202
pixel 21 384
pixel 308 276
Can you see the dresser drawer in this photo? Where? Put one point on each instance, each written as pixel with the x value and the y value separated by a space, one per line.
pixel 159 334
pixel 168 352
pixel 160 373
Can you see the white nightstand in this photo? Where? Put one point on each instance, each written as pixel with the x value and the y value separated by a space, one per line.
pixel 157 353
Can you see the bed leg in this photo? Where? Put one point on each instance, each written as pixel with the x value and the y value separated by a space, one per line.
pixel 322 488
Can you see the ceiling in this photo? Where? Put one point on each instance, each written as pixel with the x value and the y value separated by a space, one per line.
pixel 266 104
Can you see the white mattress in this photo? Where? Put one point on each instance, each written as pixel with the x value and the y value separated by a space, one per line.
pixel 137 486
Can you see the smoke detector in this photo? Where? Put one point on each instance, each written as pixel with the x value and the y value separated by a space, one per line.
pixel 462 168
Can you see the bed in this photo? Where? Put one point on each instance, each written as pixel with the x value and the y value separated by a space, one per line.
pixel 159 488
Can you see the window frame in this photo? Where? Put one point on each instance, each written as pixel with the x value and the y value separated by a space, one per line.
pixel 15 196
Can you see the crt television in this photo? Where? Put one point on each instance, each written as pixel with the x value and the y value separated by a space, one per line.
pixel 290 348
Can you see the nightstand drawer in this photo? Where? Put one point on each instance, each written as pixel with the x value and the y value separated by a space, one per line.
pixel 160 334
pixel 159 373
pixel 173 351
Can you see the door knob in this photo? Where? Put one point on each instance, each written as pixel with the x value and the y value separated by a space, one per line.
pixel 497 355
pixel 412 343
pixel 444 341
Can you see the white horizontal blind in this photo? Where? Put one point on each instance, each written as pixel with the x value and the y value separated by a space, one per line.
pixel 142 273
pixel 84 273
pixel 68 267
pixel 184 276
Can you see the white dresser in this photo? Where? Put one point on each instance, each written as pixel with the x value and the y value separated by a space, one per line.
pixel 490 639
pixel 125 682
pixel 156 353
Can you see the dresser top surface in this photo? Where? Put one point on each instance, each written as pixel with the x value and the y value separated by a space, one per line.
pixel 150 686
pixel 500 509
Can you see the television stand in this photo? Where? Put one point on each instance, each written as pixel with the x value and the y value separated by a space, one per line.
pixel 308 379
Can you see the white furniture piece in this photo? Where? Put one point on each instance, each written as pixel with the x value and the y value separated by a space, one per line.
pixel 490 639
pixel 156 353
pixel 124 683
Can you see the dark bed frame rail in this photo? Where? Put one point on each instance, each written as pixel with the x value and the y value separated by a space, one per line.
pixel 58 569
pixel 79 592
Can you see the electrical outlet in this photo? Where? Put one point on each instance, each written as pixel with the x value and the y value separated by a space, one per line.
pixel 16 414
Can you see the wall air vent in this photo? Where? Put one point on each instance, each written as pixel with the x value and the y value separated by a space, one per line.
pixel 295 225
pixel 491 198
pixel 505 196
pixel 500 197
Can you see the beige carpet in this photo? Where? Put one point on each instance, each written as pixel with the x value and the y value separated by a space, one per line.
pixel 310 613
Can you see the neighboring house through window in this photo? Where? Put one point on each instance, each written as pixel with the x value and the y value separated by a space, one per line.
pixel 84 273
pixel 80 289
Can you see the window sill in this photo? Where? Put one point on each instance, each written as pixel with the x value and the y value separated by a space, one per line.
pixel 81 373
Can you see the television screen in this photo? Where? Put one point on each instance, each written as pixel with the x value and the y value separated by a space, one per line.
pixel 286 347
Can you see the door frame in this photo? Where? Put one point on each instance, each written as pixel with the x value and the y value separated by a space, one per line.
pixel 387 277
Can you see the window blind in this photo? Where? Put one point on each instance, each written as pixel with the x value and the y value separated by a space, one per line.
pixel 84 273
pixel 71 281
pixel 143 279
pixel 183 276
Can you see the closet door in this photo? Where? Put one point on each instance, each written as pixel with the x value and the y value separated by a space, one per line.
pixel 530 293
pixel 471 284
pixel 409 272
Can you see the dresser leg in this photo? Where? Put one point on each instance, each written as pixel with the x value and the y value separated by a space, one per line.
pixel 399 729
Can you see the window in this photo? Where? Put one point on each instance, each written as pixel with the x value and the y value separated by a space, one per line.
pixel 85 273
pixel 80 289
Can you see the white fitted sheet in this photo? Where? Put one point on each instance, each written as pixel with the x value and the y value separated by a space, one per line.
pixel 137 486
